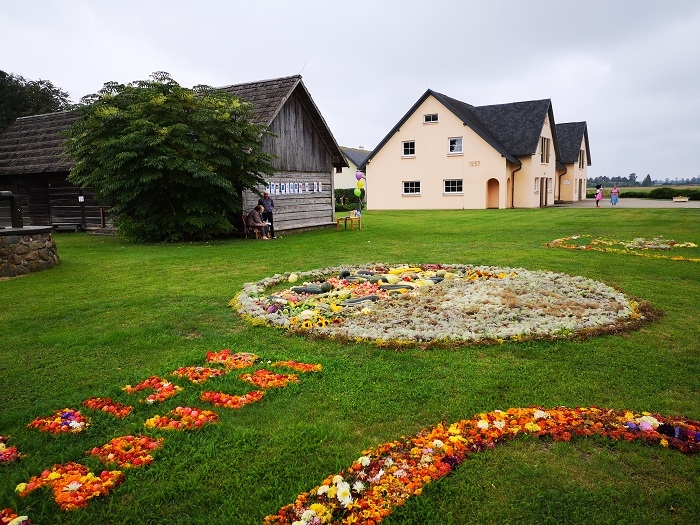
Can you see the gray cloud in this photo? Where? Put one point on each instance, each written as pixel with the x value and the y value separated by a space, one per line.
pixel 629 68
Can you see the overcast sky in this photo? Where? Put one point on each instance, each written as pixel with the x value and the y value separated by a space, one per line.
pixel 629 68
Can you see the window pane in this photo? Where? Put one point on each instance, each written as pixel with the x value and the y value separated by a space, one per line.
pixel 456 145
pixel 453 186
pixel 411 187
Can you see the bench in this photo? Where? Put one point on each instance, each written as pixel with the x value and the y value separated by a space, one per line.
pixel 352 222
pixel 67 226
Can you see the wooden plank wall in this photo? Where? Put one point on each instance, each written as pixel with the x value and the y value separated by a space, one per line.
pixel 301 157
pixel 50 199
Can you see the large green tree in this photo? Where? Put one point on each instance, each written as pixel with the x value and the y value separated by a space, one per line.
pixel 20 97
pixel 172 162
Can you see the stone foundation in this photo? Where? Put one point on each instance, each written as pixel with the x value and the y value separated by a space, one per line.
pixel 26 250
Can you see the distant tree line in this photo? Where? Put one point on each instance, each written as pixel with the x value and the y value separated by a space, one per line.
pixel 631 181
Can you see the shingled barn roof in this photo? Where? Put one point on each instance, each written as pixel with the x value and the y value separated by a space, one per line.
pixel 33 144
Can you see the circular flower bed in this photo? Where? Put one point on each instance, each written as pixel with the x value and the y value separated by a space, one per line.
pixel 439 304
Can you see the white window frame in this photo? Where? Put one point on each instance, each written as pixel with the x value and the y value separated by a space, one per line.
pixel 412 185
pixel 448 184
pixel 430 118
pixel 406 146
pixel 544 150
pixel 458 140
pixel 537 184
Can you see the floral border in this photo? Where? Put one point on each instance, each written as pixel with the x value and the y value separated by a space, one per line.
pixel 384 477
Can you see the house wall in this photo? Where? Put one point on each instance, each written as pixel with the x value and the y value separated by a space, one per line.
pixel 302 159
pixel 536 183
pixel 433 164
pixel 575 179
pixel 346 179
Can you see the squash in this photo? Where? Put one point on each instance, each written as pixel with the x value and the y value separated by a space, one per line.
pixel 309 288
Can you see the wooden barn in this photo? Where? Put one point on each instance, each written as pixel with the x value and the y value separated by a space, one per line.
pixel 32 168
pixel 306 156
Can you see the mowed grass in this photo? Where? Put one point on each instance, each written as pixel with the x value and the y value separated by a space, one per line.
pixel 112 314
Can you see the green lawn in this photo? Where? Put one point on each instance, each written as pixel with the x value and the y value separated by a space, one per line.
pixel 112 314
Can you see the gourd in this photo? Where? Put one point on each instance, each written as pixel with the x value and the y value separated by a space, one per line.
pixel 357 300
pixel 402 286
pixel 326 286
pixel 309 288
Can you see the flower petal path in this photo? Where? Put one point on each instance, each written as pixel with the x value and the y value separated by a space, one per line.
pixel 439 304
pixel 383 478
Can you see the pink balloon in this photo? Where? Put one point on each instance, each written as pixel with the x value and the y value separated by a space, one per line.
pixel 358 175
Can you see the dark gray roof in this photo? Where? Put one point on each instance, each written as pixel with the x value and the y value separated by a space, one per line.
pixel 511 129
pixel 33 144
pixel 356 155
pixel 518 125
pixel 268 97
pixel 571 134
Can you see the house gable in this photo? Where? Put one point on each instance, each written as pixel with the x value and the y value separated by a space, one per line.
pixel 572 136
pixel 270 97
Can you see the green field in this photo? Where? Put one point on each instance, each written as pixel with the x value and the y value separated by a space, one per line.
pixel 112 314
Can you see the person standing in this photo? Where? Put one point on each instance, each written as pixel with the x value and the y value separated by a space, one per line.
pixel 614 194
pixel 598 195
pixel 268 208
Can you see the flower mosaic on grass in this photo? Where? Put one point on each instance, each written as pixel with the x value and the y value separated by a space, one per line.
pixel 299 367
pixel 164 389
pixel 198 374
pixel 127 451
pixel 655 248
pixel 9 517
pixel 232 361
pixel 62 421
pixel 73 484
pixel 106 405
pixel 8 454
pixel 267 379
pixel 383 478
pixel 183 418
pixel 221 399
pixel 440 304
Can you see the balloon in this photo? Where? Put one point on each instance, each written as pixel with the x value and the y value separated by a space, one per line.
pixel 357 192
pixel 358 175
pixel 360 183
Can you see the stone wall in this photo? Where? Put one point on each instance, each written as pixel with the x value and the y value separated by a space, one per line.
pixel 25 253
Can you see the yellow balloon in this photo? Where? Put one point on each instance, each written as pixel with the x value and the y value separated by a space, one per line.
pixel 360 183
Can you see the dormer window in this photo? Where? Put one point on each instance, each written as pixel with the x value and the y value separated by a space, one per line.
pixel 432 118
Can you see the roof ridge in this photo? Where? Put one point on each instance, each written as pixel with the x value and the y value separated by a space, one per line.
pixel 297 77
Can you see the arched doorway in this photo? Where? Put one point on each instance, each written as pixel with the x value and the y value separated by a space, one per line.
pixel 492 191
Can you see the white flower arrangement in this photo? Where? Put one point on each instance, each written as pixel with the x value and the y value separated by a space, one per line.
pixel 498 304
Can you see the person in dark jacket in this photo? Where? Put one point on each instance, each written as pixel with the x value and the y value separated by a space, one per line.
pixel 255 221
